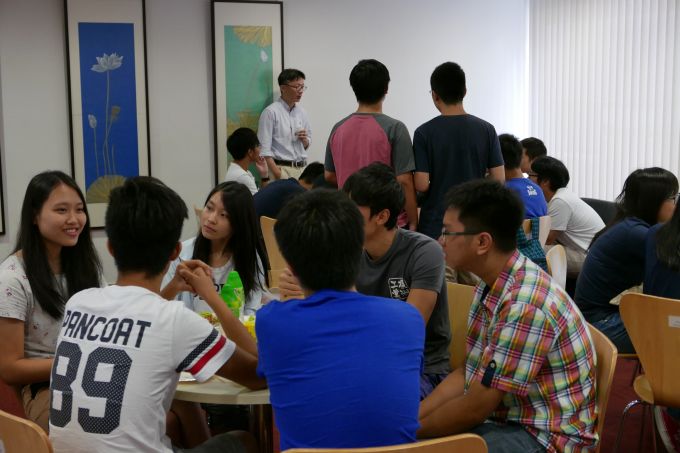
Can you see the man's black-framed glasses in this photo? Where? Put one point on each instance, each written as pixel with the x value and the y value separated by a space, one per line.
pixel 459 233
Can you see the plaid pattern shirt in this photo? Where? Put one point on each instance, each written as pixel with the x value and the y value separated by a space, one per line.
pixel 527 338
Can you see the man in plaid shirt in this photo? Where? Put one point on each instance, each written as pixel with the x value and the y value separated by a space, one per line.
pixel 529 378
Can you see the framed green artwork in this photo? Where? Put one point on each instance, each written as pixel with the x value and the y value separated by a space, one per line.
pixel 247 59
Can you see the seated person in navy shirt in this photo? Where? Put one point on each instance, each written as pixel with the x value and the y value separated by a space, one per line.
pixel 530 192
pixel 271 198
pixel 616 258
pixel 343 368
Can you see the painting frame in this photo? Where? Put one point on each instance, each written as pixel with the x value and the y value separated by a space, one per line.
pixel 96 165
pixel 251 15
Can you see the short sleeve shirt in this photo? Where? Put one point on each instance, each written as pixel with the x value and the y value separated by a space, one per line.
pixel 452 149
pixel 527 338
pixel 577 221
pixel 17 302
pixel 117 364
pixel 343 369
pixel 413 261
pixel 238 174
pixel 531 195
pixel 363 138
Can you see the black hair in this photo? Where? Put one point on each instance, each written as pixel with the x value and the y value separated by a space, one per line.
pixel 534 147
pixel 79 264
pixel 376 187
pixel 311 172
pixel 241 141
pixel 668 242
pixel 290 75
pixel 644 191
pixel 512 151
pixel 550 169
pixel 246 242
pixel 369 80
pixel 448 81
pixel 321 235
pixel 487 206
pixel 144 221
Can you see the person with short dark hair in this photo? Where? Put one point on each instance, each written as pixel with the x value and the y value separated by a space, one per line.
pixel 270 199
pixel 141 341
pixel 368 135
pixel 530 193
pixel 532 149
pixel 528 383
pixel 400 264
pixel 573 223
pixel 244 147
pixel 337 358
pixel 284 130
pixel 452 148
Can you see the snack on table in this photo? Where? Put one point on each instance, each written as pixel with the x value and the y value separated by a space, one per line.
pixel 210 316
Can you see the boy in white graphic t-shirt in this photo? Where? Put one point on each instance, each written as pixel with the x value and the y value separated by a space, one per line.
pixel 121 348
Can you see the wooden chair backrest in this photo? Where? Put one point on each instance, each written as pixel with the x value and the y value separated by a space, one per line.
pixel 276 260
pixel 19 435
pixel 459 299
pixel 557 264
pixel 653 324
pixel 468 443
pixel 543 228
pixel 606 365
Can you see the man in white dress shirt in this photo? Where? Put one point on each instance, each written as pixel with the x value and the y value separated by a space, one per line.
pixel 284 129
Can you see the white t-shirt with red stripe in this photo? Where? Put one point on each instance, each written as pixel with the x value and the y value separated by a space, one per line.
pixel 117 364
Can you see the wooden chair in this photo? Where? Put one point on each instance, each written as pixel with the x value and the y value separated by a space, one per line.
pixel 606 365
pixel 543 228
pixel 276 260
pixel 467 443
pixel 19 435
pixel 557 264
pixel 653 324
pixel 460 299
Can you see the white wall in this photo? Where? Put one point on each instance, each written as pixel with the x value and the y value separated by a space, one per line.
pixel 324 38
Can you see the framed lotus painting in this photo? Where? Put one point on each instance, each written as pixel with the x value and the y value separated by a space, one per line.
pixel 106 54
pixel 247 59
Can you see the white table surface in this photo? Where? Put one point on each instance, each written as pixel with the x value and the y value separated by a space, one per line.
pixel 218 390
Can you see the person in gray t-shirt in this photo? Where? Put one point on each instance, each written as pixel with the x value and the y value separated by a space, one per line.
pixel 400 264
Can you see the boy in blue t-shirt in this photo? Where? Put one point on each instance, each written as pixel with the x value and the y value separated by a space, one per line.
pixel 530 193
pixel 343 368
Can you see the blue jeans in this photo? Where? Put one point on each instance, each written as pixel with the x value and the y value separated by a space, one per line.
pixel 612 326
pixel 510 438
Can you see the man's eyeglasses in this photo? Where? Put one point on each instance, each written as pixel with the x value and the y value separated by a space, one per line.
pixel 458 233
pixel 298 87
